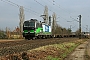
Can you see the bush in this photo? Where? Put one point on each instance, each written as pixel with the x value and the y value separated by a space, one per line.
pixel 2 34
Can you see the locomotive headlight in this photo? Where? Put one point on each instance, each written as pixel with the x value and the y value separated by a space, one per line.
pixel 35 31
pixel 40 30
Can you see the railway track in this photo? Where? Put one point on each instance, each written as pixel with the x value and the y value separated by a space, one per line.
pixel 11 47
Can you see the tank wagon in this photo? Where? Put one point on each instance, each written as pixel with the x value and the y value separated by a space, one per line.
pixel 34 29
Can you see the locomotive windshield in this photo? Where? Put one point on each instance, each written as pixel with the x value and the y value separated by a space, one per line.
pixel 29 24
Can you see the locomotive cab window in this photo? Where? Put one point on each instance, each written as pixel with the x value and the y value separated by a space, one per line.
pixel 29 24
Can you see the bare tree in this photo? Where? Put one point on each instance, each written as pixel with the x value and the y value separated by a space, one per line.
pixel 22 17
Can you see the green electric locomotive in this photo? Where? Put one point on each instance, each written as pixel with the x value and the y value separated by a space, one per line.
pixel 34 29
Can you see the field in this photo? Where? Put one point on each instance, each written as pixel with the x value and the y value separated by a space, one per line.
pixel 47 49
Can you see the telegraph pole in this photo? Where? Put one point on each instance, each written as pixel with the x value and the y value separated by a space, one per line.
pixel 79 26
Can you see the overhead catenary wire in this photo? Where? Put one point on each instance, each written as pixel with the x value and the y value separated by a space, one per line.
pixel 23 7
pixel 13 3
pixel 42 5
pixel 53 3
pixel 48 9
pixel 8 3
pixel 39 3
pixel 55 12
pixel 57 5
pixel 28 9
pixel 16 5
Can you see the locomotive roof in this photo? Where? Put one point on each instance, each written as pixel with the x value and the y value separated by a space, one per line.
pixel 32 20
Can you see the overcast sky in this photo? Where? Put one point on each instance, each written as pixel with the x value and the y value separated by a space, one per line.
pixel 66 10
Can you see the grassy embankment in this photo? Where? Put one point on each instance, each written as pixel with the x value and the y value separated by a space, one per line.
pixel 57 51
